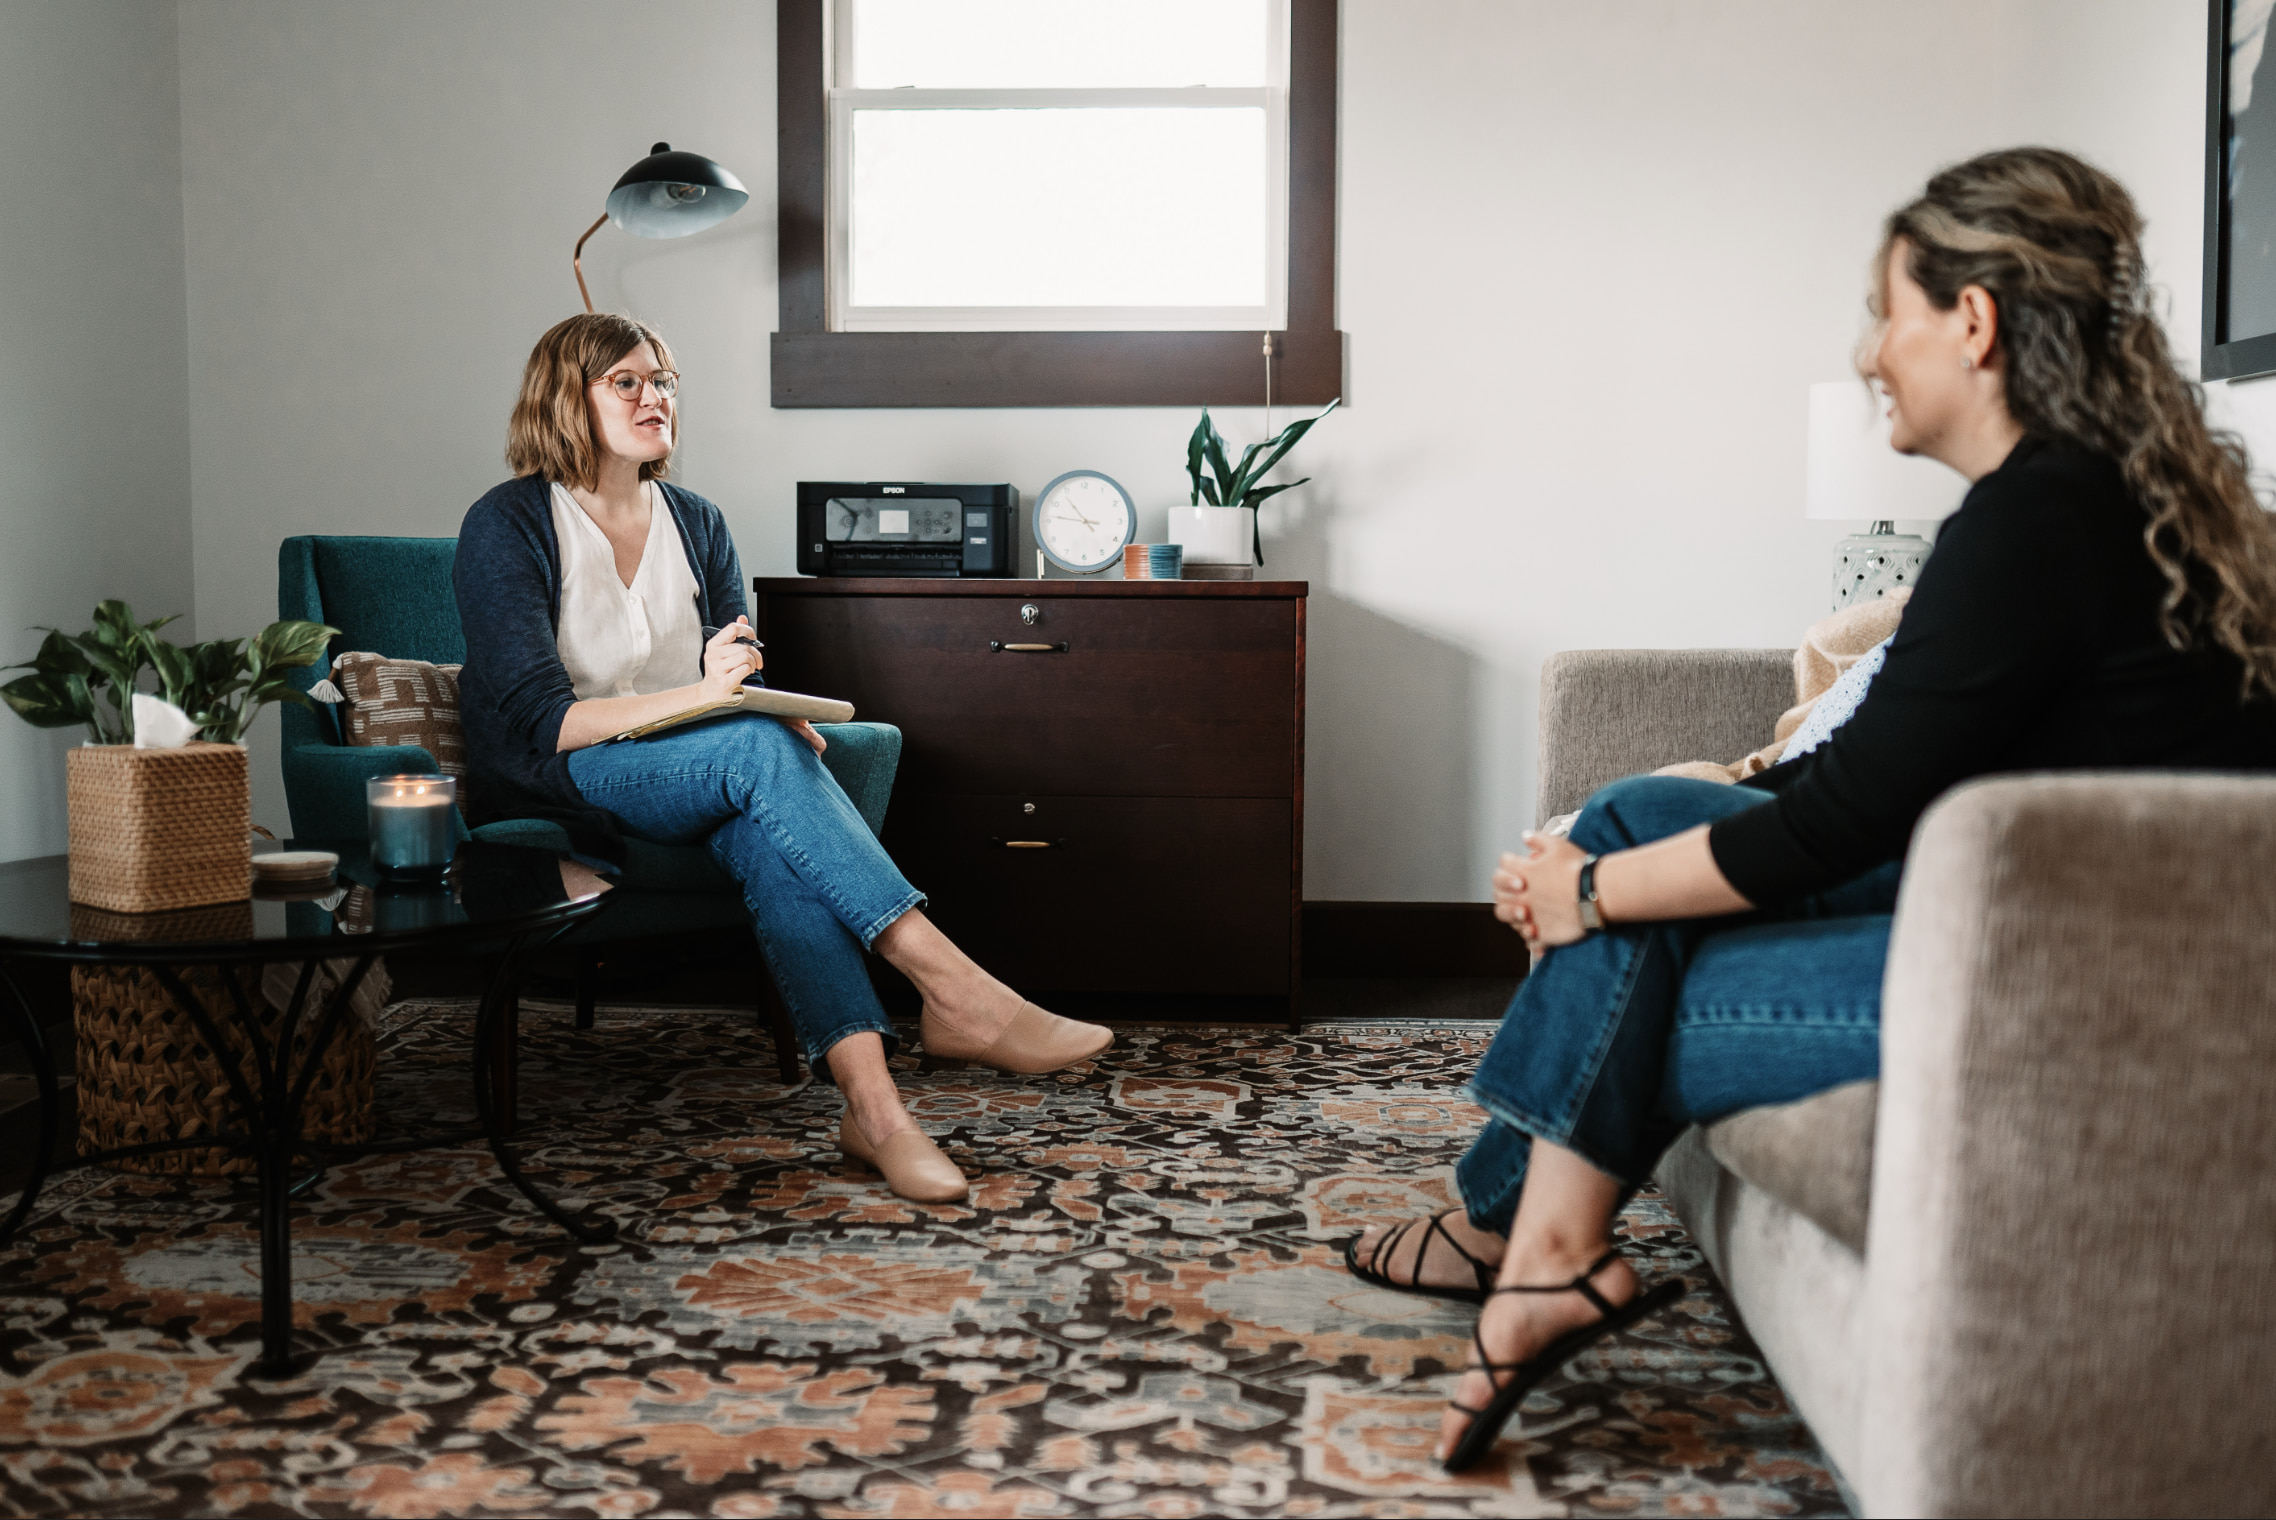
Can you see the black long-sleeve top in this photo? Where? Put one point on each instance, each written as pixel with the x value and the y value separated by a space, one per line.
pixel 2031 643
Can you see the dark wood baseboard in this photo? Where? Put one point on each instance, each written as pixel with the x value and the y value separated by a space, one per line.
pixel 1409 939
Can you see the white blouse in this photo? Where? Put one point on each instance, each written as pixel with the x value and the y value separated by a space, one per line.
pixel 625 641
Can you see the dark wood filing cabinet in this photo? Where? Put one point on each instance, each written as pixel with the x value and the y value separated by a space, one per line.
pixel 1102 782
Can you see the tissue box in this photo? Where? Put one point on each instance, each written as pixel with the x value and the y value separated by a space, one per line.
pixel 153 829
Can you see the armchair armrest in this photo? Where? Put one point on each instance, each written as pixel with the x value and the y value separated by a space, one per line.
pixel 324 783
pixel 864 757
pixel 1609 713
pixel 2068 1282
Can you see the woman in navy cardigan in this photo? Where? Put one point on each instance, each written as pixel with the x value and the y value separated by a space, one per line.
pixel 597 597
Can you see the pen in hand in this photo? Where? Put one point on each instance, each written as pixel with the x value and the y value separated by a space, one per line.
pixel 748 641
pixel 743 636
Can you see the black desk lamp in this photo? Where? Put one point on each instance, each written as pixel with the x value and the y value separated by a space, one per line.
pixel 665 195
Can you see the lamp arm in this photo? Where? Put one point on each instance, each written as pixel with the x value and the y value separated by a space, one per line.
pixel 577 261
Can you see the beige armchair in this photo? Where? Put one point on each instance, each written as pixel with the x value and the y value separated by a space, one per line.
pixel 2029 1271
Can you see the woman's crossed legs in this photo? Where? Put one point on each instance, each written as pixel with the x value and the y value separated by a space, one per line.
pixel 1618 1042
pixel 820 888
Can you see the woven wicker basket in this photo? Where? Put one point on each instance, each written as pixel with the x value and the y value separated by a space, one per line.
pixel 159 828
pixel 145 1074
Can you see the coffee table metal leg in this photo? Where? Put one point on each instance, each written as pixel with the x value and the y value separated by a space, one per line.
pixel 25 1021
pixel 490 1025
pixel 273 1131
pixel 275 1163
pixel 284 1095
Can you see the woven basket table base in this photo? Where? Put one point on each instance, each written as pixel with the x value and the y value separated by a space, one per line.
pixel 145 1073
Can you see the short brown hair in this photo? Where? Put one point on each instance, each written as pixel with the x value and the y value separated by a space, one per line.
pixel 551 431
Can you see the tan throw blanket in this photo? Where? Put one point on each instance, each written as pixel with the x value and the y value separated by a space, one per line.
pixel 1833 644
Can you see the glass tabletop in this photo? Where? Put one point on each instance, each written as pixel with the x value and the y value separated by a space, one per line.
pixel 489 890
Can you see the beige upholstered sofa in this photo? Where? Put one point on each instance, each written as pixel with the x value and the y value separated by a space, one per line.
pixel 2032 1270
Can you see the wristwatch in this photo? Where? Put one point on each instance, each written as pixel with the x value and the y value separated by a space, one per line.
pixel 1592 916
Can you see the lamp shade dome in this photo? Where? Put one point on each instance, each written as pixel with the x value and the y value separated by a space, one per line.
pixel 669 195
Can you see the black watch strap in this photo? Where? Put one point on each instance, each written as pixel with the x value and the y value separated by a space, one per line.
pixel 1592 916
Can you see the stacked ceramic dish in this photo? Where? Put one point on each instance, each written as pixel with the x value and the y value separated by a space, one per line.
pixel 294 868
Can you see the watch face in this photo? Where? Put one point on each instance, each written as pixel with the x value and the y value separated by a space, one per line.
pixel 1083 519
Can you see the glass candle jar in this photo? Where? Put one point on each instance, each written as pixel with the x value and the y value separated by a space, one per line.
pixel 414 823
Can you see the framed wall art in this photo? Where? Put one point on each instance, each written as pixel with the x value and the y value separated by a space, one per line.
pixel 2240 191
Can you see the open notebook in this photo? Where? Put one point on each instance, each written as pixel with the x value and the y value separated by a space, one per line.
pixel 754 699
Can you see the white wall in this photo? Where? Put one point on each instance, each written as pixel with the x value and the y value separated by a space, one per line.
pixel 94 430
pixel 1592 256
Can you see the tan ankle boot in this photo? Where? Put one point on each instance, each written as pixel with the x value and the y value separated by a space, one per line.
pixel 914 1167
pixel 1033 1043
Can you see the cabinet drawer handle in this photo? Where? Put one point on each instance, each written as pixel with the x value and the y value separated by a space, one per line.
pixel 1028 844
pixel 998 646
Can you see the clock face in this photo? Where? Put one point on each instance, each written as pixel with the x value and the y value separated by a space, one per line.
pixel 1083 519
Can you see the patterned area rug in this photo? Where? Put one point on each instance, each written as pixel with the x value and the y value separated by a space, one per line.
pixel 1141 1311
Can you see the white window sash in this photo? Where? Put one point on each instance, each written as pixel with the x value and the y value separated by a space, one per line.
pixel 1272 314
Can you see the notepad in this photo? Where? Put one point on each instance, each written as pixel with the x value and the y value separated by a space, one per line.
pixel 754 699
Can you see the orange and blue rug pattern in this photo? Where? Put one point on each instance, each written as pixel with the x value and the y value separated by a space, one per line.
pixel 1140 1311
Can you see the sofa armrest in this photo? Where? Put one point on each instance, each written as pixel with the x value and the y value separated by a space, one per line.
pixel 1609 713
pixel 324 783
pixel 2068 1283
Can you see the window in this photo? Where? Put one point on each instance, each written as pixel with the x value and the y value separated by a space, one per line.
pixel 1070 165
pixel 1055 202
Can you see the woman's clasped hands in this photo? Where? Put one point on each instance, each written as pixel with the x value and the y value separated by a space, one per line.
pixel 1538 893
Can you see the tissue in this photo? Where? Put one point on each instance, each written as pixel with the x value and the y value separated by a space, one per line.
pixel 159 724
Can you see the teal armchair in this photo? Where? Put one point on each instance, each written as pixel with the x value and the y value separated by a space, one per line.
pixel 393 596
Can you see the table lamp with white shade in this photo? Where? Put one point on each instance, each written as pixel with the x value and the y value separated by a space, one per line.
pixel 1855 476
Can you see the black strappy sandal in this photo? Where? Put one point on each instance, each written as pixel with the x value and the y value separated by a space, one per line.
pixel 1387 1249
pixel 1486 1424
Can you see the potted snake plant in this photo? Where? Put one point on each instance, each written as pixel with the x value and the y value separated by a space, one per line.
pixel 1219 524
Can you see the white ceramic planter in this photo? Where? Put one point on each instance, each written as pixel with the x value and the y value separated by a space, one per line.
pixel 1214 535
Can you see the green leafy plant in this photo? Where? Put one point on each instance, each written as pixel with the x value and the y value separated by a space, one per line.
pixel 224 683
pixel 1231 485
pixel 91 678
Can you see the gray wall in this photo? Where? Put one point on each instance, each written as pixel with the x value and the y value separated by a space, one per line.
pixel 1592 258
pixel 94 417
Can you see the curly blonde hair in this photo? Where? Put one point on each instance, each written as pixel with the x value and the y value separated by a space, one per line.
pixel 551 431
pixel 2057 244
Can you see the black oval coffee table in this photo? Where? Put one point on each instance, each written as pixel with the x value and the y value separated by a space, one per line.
pixel 501 903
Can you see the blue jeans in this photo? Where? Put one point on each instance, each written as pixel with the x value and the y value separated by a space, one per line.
pixel 819 886
pixel 1617 1043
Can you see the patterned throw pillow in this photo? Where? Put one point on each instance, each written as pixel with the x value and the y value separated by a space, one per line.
pixel 404 702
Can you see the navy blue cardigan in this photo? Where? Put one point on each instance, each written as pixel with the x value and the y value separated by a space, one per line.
pixel 514 691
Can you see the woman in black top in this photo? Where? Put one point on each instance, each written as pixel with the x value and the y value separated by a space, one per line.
pixel 2105 597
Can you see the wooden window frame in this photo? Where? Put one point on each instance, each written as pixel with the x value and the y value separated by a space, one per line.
pixel 815 367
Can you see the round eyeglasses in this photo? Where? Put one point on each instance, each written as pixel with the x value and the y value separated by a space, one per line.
pixel 627 385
